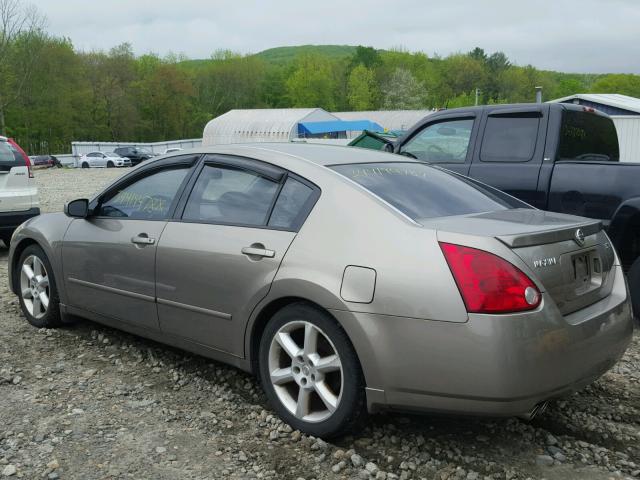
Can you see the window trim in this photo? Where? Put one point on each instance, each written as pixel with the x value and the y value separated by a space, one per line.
pixel 443 119
pixel 247 164
pixel 188 161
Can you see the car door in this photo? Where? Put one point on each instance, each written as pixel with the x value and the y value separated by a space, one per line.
pixel 510 154
pixel 447 141
pixel 217 261
pixel 109 257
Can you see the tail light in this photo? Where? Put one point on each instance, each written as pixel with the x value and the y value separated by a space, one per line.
pixel 24 156
pixel 488 283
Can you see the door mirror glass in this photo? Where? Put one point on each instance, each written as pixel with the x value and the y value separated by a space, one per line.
pixel 77 208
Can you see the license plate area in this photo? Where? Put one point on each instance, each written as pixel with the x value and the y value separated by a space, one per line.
pixel 587 271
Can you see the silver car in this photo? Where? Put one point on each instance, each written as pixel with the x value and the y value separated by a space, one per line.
pixel 348 280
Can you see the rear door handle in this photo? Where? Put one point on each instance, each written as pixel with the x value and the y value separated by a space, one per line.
pixel 258 252
pixel 143 239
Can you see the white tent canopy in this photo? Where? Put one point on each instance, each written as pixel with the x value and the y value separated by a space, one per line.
pixel 261 125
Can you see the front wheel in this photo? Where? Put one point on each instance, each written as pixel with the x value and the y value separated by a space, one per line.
pixel 110 164
pixel 311 373
pixel 85 165
pixel 634 287
pixel 38 293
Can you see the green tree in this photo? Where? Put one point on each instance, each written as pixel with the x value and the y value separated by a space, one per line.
pixel 625 84
pixel 403 92
pixel 312 83
pixel 361 88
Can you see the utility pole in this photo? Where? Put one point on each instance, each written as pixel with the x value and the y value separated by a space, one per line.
pixel 477 95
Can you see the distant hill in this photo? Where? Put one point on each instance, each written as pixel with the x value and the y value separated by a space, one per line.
pixel 288 54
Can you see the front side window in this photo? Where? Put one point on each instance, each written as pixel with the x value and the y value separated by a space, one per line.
pixel 444 142
pixel 420 191
pixel 228 195
pixel 587 136
pixel 510 138
pixel 149 198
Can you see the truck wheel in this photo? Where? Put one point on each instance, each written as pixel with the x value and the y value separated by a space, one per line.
pixel 634 287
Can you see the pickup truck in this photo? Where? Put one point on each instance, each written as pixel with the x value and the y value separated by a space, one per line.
pixel 554 156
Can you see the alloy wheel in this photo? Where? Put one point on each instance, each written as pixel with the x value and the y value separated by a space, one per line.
pixel 306 371
pixel 34 286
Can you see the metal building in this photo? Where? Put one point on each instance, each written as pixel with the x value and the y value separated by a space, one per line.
pixel 261 125
pixel 625 113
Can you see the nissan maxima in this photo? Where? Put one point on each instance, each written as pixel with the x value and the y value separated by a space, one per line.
pixel 349 281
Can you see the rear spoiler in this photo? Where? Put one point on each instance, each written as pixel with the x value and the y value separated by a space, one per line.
pixel 552 236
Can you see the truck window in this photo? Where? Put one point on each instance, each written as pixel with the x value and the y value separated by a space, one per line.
pixel 442 142
pixel 587 136
pixel 509 138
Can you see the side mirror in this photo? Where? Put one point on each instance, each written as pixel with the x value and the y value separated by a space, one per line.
pixel 77 208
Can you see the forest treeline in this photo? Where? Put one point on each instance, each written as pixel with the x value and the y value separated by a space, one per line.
pixel 51 93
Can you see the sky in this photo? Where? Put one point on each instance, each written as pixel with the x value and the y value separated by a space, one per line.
pixel 588 36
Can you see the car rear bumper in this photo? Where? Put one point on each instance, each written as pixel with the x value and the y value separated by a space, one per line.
pixel 10 220
pixel 490 365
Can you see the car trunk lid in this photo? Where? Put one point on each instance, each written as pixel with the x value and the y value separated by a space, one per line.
pixel 571 257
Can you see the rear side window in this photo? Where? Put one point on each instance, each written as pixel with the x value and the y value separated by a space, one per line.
pixel 587 136
pixel 292 205
pixel 421 191
pixel 509 138
pixel 230 195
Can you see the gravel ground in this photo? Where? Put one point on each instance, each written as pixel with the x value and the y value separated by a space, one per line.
pixel 89 402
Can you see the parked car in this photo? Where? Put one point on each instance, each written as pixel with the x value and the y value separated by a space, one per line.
pixel 102 159
pixel 46 161
pixel 557 157
pixel 172 150
pixel 135 154
pixel 342 277
pixel 18 190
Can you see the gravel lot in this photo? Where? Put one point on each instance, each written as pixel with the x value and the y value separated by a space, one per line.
pixel 89 402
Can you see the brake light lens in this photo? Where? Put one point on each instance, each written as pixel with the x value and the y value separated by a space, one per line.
pixel 488 283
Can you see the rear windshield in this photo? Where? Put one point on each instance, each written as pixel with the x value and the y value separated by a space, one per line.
pixel 6 154
pixel 420 191
pixel 587 136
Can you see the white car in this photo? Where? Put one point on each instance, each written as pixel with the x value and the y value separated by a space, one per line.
pixel 18 190
pixel 172 149
pixel 102 159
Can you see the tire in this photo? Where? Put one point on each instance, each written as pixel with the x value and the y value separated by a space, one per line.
pixel 85 165
pixel 341 383
pixel 110 164
pixel 35 312
pixel 634 287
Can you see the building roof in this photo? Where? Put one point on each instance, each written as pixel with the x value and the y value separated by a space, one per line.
pixel 388 119
pixel 260 124
pixel 616 100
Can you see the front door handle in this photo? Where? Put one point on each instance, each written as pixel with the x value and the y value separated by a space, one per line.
pixel 258 252
pixel 143 239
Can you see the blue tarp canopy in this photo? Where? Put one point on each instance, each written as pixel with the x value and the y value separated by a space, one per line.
pixel 315 128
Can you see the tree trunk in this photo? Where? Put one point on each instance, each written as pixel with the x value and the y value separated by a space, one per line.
pixel 3 126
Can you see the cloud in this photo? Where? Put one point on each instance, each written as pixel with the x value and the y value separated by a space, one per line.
pixel 569 35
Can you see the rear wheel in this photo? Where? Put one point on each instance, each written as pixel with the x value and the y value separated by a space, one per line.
pixel 634 287
pixel 85 165
pixel 310 372
pixel 37 288
pixel 110 164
